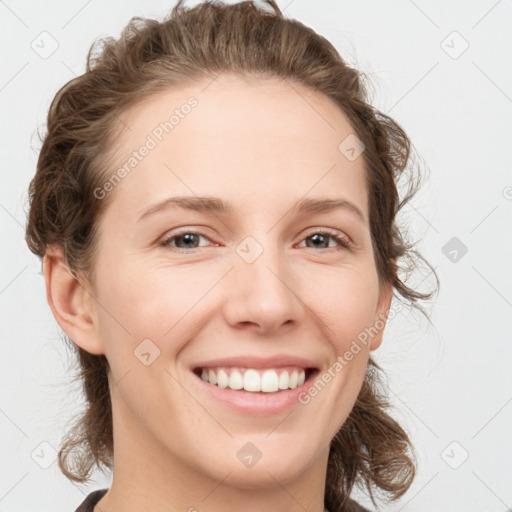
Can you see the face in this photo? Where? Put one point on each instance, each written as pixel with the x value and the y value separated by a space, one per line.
pixel 267 284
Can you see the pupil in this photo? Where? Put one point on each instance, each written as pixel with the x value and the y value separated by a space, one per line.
pixel 188 238
pixel 317 237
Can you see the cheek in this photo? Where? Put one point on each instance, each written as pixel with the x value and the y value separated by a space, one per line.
pixel 345 301
pixel 132 293
pixel 160 304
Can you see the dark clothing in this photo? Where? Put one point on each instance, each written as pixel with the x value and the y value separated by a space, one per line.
pixel 357 507
pixel 88 504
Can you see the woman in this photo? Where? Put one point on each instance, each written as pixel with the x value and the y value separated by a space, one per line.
pixel 215 206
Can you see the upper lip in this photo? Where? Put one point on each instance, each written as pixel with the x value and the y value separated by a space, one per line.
pixel 258 362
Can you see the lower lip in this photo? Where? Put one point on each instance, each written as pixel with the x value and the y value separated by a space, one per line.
pixel 256 403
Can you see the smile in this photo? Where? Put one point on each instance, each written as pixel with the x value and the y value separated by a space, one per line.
pixel 269 380
pixel 254 385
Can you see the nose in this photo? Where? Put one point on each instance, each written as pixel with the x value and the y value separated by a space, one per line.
pixel 263 295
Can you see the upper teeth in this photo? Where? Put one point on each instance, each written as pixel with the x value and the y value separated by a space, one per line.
pixel 269 381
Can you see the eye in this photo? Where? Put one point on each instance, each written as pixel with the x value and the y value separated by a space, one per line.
pixel 184 240
pixel 320 240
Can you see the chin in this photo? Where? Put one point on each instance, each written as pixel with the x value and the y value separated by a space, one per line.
pixel 267 472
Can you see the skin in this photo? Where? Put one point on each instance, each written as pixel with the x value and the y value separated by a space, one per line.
pixel 259 146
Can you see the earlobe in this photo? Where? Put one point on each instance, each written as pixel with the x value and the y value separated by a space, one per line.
pixel 382 312
pixel 72 305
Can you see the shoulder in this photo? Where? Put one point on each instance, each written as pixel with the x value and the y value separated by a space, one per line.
pixel 88 504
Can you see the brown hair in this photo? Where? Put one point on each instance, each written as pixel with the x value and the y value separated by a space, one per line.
pixel 371 449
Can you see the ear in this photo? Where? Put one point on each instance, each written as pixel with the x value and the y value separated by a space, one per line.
pixel 72 305
pixel 381 314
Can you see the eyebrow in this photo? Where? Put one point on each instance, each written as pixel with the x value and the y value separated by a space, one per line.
pixel 216 205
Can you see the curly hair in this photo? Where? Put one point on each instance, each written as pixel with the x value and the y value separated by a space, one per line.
pixel 371 449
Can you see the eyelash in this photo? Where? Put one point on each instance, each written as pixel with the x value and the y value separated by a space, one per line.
pixel 343 241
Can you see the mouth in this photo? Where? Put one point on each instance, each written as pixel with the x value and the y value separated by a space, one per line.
pixel 256 380
pixel 252 385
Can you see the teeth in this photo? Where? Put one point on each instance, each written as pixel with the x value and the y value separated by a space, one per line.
pixel 249 379
pixel 222 379
pixel 236 380
pixel 284 379
pixel 269 381
pixel 294 377
pixel 252 381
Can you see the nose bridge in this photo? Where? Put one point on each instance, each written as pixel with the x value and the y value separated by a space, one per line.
pixel 264 286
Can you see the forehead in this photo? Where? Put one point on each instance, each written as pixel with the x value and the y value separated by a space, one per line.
pixel 229 137
pixel 240 107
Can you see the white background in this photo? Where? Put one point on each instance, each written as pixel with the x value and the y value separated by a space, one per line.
pixel 449 382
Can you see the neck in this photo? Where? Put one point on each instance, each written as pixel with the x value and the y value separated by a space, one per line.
pixel 148 476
